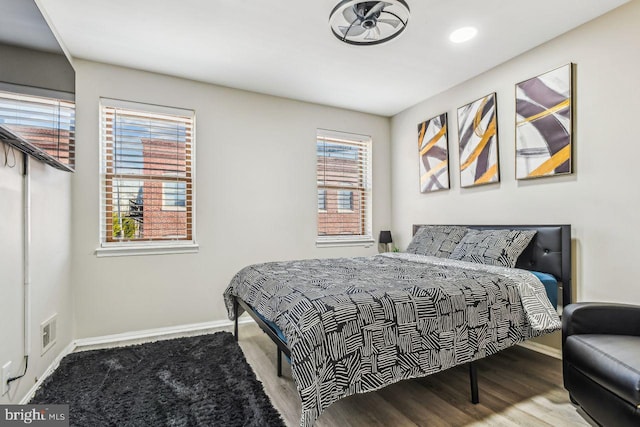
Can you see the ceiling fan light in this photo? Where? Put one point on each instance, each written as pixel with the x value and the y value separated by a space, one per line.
pixel 463 34
pixel 358 22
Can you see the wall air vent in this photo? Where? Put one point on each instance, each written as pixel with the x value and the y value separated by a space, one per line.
pixel 13 139
pixel 48 333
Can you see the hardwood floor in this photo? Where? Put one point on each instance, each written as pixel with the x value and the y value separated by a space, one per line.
pixel 518 387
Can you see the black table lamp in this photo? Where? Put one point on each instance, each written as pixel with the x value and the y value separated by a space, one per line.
pixel 385 238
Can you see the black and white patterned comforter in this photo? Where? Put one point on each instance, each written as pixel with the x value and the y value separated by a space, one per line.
pixel 358 324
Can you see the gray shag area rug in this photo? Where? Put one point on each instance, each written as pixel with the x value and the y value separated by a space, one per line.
pixel 195 381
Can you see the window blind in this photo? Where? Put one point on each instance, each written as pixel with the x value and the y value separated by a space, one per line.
pixel 344 186
pixel 147 171
pixel 46 123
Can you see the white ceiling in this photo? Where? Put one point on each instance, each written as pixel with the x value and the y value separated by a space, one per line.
pixel 285 47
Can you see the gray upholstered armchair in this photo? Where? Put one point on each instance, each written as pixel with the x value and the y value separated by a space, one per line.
pixel 601 361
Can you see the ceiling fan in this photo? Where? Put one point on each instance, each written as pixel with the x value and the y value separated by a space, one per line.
pixel 368 22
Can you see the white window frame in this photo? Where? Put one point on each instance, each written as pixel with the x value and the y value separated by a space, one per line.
pixel 158 247
pixel 350 240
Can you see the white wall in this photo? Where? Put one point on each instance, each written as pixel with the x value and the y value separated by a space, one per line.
pixel 50 227
pixel 256 198
pixel 601 200
pixel 25 67
pixel 50 260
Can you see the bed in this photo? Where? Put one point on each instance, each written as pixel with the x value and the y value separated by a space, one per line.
pixel 353 325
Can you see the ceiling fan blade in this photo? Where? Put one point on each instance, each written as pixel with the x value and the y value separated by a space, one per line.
pixel 375 9
pixel 373 34
pixel 352 30
pixel 349 14
pixel 393 22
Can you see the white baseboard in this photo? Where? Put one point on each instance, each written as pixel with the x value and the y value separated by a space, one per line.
pixel 54 365
pixel 541 348
pixel 150 335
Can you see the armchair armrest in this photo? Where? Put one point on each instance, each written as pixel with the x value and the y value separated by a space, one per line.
pixel 600 318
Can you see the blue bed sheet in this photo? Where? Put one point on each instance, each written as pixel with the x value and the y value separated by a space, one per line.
pixel 272 325
pixel 550 284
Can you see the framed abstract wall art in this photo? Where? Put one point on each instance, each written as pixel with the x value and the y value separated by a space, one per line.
pixel 543 124
pixel 434 154
pixel 478 139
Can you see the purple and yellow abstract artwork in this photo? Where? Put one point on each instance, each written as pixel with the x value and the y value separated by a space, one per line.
pixel 434 154
pixel 543 125
pixel 478 138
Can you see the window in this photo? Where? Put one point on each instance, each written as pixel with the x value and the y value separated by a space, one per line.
pixel 147 177
pixel 46 123
pixel 344 188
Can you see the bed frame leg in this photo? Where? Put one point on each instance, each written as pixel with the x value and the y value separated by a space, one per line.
pixel 235 315
pixel 279 362
pixel 473 379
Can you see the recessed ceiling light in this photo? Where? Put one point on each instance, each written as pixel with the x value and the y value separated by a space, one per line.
pixel 463 34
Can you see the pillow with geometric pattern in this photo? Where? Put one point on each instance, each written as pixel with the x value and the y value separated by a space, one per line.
pixel 436 240
pixel 493 247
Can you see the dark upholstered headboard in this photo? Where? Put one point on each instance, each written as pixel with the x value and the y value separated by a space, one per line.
pixel 548 252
